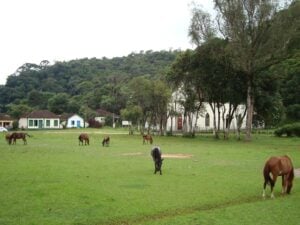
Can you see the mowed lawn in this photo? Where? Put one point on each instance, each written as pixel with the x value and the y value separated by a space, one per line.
pixel 54 181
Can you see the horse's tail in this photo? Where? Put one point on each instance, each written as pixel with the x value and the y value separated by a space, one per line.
pixel 292 175
pixel 290 181
pixel 266 172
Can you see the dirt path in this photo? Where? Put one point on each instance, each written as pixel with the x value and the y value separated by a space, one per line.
pixel 177 156
pixel 170 156
pixel 185 211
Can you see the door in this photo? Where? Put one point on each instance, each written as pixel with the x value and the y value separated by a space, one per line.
pixel 179 122
pixel 40 124
pixel 78 123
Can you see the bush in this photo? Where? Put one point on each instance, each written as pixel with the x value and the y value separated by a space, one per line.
pixel 94 123
pixel 188 135
pixel 288 130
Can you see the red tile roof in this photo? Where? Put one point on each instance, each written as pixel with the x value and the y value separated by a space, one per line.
pixel 42 114
pixel 5 117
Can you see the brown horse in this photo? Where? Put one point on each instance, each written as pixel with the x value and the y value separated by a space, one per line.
pixel 105 141
pixel 84 138
pixel 146 138
pixel 7 136
pixel 279 166
pixel 14 136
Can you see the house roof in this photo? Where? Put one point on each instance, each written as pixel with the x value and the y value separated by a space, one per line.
pixel 42 114
pixel 4 116
pixel 66 116
pixel 102 112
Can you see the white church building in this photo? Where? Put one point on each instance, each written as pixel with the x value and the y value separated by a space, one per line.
pixel 204 119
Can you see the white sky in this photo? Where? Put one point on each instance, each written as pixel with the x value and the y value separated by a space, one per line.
pixel 62 30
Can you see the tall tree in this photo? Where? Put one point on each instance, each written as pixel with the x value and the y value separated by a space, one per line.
pixel 59 103
pixel 245 23
pixel 185 76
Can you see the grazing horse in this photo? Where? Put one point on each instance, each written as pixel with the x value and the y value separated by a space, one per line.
pixel 84 137
pixel 7 136
pixel 156 156
pixel 146 138
pixel 278 166
pixel 14 136
pixel 105 141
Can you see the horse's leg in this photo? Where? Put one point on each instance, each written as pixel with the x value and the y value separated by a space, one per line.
pixel 272 185
pixel 264 189
pixel 25 141
pixel 283 187
pixel 155 168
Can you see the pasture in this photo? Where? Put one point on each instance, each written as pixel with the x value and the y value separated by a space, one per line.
pixel 54 181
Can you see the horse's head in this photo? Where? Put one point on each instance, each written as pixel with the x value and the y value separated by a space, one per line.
pixel 289 187
pixel 158 164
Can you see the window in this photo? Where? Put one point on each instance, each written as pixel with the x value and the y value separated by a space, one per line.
pixel 207 120
pixel 56 123
pixel 30 123
pixel 72 122
pixel 36 123
pixel 47 123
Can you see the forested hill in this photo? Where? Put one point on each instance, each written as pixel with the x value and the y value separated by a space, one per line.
pixel 83 81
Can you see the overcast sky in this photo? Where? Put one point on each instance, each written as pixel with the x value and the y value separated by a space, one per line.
pixel 62 30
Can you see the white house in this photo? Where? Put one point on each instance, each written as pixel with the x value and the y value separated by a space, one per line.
pixel 6 120
pixel 204 120
pixel 102 114
pixel 41 119
pixel 72 121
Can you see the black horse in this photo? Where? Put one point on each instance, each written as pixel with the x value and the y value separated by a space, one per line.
pixel 156 156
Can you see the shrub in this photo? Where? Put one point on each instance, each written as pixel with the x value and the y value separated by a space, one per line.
pixel 288 130
pixel 94 123
pixel 188 134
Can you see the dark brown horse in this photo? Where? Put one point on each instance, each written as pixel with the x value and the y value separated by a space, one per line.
pixel 7 136
pixel 84 138
pixel 12 139
pixel 105 141
pixel 146 138
pixel 279 166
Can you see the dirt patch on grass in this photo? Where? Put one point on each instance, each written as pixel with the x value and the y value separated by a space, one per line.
pixel 297 172
pixel 132 154
pixel 177 156
pixel 170 156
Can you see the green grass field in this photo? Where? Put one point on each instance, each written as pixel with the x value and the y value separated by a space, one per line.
pixel 54 181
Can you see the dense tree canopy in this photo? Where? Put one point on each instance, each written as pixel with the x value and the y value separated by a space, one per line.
pixel 93 83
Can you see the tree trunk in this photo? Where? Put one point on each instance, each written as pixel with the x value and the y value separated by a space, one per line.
pixel 250 106
pixel 213 108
